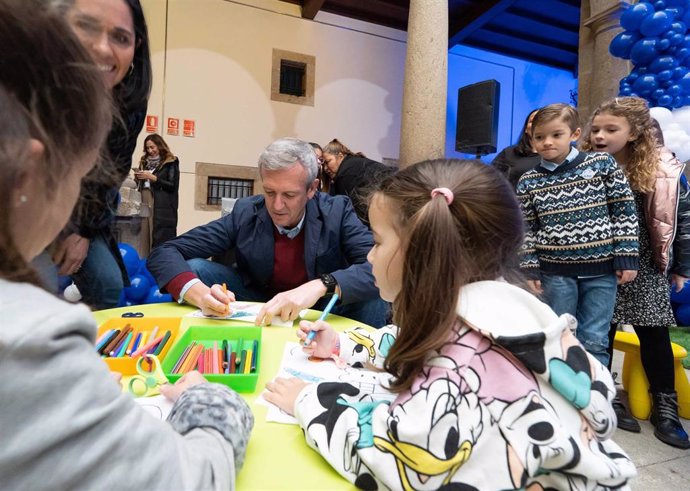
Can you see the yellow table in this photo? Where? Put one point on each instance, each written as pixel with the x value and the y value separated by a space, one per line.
pixel 277 456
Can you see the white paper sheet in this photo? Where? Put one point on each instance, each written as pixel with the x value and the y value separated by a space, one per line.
pixel 296 363
pixel 157 406
pixel 243 312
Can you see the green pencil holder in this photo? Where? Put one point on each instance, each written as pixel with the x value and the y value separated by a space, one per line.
pixel 207 335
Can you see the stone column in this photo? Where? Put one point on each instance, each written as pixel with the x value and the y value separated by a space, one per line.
pixel 423 131
pixel 599 72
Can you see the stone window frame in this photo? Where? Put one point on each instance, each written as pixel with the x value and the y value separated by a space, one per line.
pixel 309 78
pixel 205 170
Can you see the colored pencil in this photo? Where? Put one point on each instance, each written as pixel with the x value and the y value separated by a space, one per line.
pixel 116 340
pixel 113 334
pixel 159 348
pixel 135 344
pixel 103 336
pixel 182 357
pixel 192 359
pixel 116 346
pixel 227 307
pixel 147 347
pixel 214 357
pixel 122 349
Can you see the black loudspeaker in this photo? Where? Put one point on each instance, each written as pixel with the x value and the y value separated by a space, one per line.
pixel 477 128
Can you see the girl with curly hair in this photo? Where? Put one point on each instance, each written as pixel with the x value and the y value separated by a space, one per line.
pixel 624 128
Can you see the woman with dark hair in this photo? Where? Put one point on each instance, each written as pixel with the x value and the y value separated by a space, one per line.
pixel 76 428
pixel 352 174
pixel 515 160
pixel 159 181
pixel 114 33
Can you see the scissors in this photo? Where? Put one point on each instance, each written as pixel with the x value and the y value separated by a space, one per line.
pixel 148 379
pixel 133 314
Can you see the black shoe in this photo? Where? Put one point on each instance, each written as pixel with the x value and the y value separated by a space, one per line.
pixel 625 419
pixel 667 427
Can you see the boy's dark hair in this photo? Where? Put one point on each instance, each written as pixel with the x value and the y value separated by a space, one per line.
pixel 549 113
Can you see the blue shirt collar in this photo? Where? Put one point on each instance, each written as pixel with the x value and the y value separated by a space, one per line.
pixel 546 164
pixel 294 231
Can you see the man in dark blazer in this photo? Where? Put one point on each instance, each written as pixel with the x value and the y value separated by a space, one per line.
pixel 294 248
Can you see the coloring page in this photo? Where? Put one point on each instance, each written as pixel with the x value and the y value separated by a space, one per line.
pixel 243 312
pixel 296 363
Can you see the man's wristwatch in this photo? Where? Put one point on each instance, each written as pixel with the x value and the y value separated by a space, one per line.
pixel 329 282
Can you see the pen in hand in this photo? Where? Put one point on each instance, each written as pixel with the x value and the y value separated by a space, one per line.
pixel 312 334
pixel 227 306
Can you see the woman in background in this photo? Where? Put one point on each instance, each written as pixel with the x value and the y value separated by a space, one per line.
pixel 352 174
pixel 159 182
pixel 515 160
pixel 114 33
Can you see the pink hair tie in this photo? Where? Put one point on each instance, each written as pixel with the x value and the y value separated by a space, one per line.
pixel 447 193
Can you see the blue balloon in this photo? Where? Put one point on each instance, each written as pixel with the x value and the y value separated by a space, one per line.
pixel 665 101
pixel 663 63
pixel 685 83
pixel 138 289
pixel 155 296
pixel 679 72
pixel 664 75
pixel 686 100
pixel 675 12
pixel 679 27
pixel 686 17
pixel 682 297
pixel 655 24
pixel 130 257
pixel 658 93
pixel 663 44
pixel 682 313
pixel 643 51
pixel 674 90
pixel 144 271
pixel 645 84
pixel 633 17
pixel 622 44
pixel 677 102
pixel 625 91
pixel 677 3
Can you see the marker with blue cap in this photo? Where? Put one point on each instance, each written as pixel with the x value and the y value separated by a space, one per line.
pixel 324 314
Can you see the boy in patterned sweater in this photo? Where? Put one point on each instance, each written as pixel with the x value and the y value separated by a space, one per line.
pixel 581 227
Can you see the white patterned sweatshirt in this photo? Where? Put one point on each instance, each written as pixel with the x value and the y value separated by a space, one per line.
pixel 511 401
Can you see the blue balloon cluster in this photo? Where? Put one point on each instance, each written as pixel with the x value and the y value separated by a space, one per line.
pixel 680 301
pixel 657 41
pixel 143 287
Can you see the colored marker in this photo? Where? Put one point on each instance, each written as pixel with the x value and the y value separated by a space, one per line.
pixel 255 355
pixel 116 340
pixel 161 345
pixel 243 361
pixel 324 314
pixel 233 362
pixel 228 355
pixel 214 357
pixel 248 361
pixel 123 346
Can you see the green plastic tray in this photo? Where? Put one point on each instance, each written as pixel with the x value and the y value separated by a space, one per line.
pixel 206 335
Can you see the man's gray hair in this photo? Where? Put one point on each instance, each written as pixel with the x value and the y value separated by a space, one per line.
pixel 286 152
